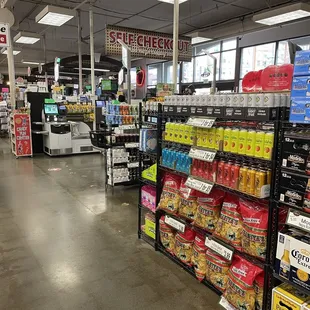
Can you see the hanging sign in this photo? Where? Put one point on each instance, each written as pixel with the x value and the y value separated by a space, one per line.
pixel 4 35
pixel 147 44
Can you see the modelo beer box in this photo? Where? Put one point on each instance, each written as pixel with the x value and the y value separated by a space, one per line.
pixel 300 110
pixel 302 63
pixel 293 257
pixel 286 297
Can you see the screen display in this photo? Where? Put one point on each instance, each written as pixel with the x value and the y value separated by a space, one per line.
pixel 51 109
pixel 100 104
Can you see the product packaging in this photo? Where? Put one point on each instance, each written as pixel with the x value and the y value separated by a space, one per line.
pixel 302 63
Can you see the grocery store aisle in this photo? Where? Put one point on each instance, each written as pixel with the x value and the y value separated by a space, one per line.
pixel 67 244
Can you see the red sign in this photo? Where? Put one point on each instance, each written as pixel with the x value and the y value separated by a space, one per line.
pixel 22 135
pixel 3 39
pixel 147 44
pixel 4 35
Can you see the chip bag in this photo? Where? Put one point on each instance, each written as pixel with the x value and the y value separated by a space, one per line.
pixel 229 226
pixel 217 270
pixel 208 210
pixel 240 289
pixel 167 235
pixel 255 228
pixel 259 291
pixel 183 248
pixel 170 198
pixel 199 257
pixel 188 201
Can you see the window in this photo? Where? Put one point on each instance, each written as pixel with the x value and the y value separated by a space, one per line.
pixel 204 68
pixel 283 53
pixel 213 47
pixel 168 72
pixel 228 64
pixel 257 57
pixel 154 74
pixel 230 44
pixel 133 76
pixel 188 72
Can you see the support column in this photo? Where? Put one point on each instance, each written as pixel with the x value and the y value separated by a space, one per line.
pixel 80 51
pixel 92 60
pixel 11 68
pixel 175 44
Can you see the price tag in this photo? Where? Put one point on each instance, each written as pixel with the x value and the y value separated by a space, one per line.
pixel 201 186
pixel 205 155
pixel 127 127
pixel 225 304
pixel 298 219
pixel 132 145
pixel 133 165
pixel 201 122
pixel 219 248
pixel 175 223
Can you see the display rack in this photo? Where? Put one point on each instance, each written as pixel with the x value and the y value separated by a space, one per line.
pixel 203 117
pixel 3 118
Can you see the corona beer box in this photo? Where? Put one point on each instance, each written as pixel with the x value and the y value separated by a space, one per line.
pixel 293 257
pixel 286 297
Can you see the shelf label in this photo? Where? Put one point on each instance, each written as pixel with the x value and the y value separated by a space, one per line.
pixel 133 165
pixel 132 145
pixel 201 186
pixel 224 251
pixel 127 127
pixel 201 122
pixel 175 223
pixel 225 304
pixel 206 155
pixel 298 219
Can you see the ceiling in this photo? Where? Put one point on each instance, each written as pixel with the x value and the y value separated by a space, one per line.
pixel 195 15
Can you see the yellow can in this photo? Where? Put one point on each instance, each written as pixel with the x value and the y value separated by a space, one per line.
pixel 168 131
pixel 212 137
pixel 268 145
pixel 205 138
pixel 187 134
pixel 259 144
pixel 242 141
pixel 242 179
pixel 192 135
pixel 176 131
pixel 250 143
pixel 219 138
pixel 227 140
pixel 260 181
pixel 250 181
pixel 268 180
pixel 199 137
pixel 182 129
pixel 234 140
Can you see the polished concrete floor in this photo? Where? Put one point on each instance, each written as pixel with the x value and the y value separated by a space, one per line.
pixel 66 243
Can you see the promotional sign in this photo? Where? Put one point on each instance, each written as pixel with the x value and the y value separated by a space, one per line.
pixel 4 35
pixel 23 135
pixel 164 89
pixel 147 44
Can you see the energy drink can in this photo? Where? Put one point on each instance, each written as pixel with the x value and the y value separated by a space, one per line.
pixel 227 174
pixel 199 137
pixel 260 181
pixel 234 181
pixel 212 137
pixel 205 137
pixel 213 170
pixel 250 143
pixel 243 179
pixel 242 141
pixel 268 178
pixel 268 145
pixel 234 140
pixel 259 144
pixel 206 170
pixel 220 172
pixel 227 139
pixel 250 181
pixel 219 138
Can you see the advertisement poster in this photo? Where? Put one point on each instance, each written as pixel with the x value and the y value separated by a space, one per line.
pixel 23 135
pixel 164 89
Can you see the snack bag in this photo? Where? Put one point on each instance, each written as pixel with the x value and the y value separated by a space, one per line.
pixel 199 257
pixel 229 226
pixel 183 247
pixel 167 235
pixel 259 291
pixel 188 201
pixel 217 270
pixel 240 289
pixel 255 228
pixel 208 210
pixel 170 198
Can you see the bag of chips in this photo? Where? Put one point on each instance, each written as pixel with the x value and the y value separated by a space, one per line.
pixel 208 210
pixel 183 248
pixel 259 291
pixel 170 198
pixel 229 226
pixel 255 228
pixel 199 257
pixel 167 235
pixel 188 201
pixel 217 270
pixel 240 289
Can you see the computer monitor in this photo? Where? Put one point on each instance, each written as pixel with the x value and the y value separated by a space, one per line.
pixel 51 109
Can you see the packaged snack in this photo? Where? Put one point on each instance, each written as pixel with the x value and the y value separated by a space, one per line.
pixel 188 201
pixel 255 228
pixel 148 197
pixel 240 289
pixel 167 235
pixel 183 248
pixel 208 210
pixel 217 270
pixel 259 291
pixel 229 226
pixel 199 257
pixel 170 198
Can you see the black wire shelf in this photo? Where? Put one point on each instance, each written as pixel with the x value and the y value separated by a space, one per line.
pixel 144 208
pixel 148 182
pixel 167 169
pixel 300 288
pixel 146 238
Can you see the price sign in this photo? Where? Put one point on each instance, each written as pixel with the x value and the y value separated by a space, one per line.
pixel 131 145
pixel 219 248
pixel 133 165
pixel 201 186
pixel 201 122
pixel 175 223
pixel 127 127
pixel 225 304
pixel 298 219
pixel 206 155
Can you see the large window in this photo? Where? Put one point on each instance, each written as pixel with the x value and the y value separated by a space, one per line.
pixel 168 72
pixel 228 65
pixel 154 74
pixel 204 66
pixel 188 72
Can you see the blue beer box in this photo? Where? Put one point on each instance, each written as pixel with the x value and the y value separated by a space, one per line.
pixel 301 86
pixel 300 110
pixel 302 63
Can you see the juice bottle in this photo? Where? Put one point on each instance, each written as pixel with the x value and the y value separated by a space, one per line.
pixel 219 138
pixel 250 143
pixel 259 144
pixel 227 139
pixel 212 137
pixel 234 140
pixel 242 141
pixel 268 145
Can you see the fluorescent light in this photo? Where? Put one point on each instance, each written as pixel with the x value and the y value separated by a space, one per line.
pixel 283 14
pixel 200 40
pixel 54 16
pixel 172 1
pixel 26 37
pixel 89 69
pixel 5 51
pixel 32 62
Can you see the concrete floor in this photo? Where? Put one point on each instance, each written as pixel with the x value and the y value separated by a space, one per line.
pixel 65 243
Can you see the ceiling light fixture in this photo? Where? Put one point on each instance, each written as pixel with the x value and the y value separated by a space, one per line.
pixel 89 69
pixel 172 1
pixel 54 16
pixel 4 51
pixel 24 37
pixel 283 14
pixel 32 62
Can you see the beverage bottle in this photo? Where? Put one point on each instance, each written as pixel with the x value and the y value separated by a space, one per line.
pixel 285 264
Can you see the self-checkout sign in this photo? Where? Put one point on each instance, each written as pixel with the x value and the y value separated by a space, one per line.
pixel 201 186
pixel 201 122
pixel 206 155
pixel 298 219
pixel 224 251
pixel 175 223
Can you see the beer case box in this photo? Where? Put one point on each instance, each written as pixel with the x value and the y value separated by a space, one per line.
pixel 286 297
pixel 300 86
pixel 300 110
pixel 294 181
pixel 295 145
pixel 296 162
pixel 302 63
